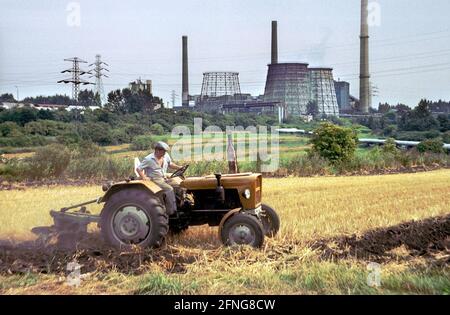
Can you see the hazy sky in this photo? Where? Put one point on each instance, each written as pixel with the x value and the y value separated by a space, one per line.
pixel 410 49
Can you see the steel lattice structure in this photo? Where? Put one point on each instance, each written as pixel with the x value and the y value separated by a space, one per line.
pixel 76 77
pixel 218 84
pixel 98 74
pixel 323 91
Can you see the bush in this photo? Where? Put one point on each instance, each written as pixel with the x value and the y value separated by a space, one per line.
pixel 142 143
pixel 11 169
pixel 417 135
pixel 47 128
pixel 434 146
pixel 49 161
pixel 68 138
pixel 311 164
pixel 390 147
pixel 446 137
pixel 85 150
pixel 334 143
pixel 23 141
pixel 10 129
pixel 157 129
pixel 389 130
pixel 120 136
pixel 100 167
pixel 135 130
pixel 99 133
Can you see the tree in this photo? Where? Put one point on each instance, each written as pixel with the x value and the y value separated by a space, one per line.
pixel 419 119
pixel 384 108
pixel 54 99
pixel 116 102
pixel 87 98
pixel 7 97
pixel 334 143
pixel 444 122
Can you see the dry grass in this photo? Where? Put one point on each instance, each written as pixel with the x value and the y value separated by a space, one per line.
pixel 310 209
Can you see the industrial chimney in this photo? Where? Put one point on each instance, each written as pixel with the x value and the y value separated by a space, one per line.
pixel 274 42
pixel 185 87
pixel 364 78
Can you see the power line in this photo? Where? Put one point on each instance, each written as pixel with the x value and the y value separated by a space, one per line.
pixel 174 96
pixel 98 74
pixel 76 77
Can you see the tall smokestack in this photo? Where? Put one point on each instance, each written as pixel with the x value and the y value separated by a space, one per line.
pixel 274 42
pixel 185 94
pixel 364 78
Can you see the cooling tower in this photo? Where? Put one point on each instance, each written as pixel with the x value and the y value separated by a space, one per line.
pixel 323 91
pixel 219 88
pixel 288 83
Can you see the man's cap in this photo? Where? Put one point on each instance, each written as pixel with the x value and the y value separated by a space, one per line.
pixel 162 145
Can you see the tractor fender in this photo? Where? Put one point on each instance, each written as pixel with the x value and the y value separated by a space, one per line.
pixel 146 185
pixel 226 217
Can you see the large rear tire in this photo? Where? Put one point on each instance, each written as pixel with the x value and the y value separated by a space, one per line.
pixel 270 221
pixel 242 229
pixel 134 217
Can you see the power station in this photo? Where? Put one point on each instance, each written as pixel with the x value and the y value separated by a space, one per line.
pixel 291 89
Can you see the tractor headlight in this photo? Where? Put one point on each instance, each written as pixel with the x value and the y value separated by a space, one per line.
pixel 247 194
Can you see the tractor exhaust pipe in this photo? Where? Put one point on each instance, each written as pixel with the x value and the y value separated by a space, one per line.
pixel 220 191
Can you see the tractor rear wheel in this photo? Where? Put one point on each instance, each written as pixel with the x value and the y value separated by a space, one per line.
pixel 134 217
pixel 242 229
pixel 270 221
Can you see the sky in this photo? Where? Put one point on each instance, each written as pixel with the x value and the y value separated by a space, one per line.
pixel 409 48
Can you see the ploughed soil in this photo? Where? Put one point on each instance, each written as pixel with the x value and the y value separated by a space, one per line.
pixel 50 257
pixel 51 252
pixel 429 238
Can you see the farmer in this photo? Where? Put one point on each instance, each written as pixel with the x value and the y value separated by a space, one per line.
pixel 154 167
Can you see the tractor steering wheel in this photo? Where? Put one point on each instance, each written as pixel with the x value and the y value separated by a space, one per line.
pixel 180 172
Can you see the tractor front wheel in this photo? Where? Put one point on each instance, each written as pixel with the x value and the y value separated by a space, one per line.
pixel 242 229
pixel 134 217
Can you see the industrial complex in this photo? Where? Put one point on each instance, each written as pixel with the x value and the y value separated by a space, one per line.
pixel 292 89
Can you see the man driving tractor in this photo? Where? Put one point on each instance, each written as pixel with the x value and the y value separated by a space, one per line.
pixel 154 167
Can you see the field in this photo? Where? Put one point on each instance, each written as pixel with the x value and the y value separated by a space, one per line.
pixel 332 228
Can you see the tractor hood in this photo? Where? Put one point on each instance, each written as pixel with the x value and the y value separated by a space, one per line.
pixel 240 182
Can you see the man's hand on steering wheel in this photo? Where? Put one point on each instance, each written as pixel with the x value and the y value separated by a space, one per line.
pixel 180 172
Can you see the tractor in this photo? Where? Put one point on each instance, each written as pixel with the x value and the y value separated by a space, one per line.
pixel 134 213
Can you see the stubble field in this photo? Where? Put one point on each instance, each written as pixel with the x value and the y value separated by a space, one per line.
pixel 332 228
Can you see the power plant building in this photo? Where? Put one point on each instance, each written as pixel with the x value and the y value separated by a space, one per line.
pixel 289 89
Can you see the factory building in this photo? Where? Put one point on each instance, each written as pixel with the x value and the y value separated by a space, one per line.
pixel 140 85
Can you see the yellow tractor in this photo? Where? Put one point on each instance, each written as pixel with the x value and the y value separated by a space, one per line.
pixel 134 211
